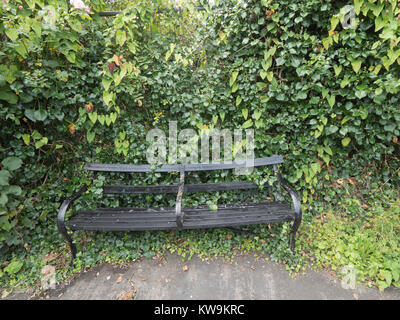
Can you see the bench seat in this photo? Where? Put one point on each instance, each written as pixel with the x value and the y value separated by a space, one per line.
pixel 139 219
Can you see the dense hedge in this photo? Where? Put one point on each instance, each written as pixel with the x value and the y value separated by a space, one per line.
pixel 75 87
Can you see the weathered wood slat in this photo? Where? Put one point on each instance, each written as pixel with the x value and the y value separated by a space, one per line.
pixel 171 225
pixel 191 215
pixel 149 212
pixel 275 159
pixel 188 188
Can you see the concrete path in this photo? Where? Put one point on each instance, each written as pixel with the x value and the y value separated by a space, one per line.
pixel 169 278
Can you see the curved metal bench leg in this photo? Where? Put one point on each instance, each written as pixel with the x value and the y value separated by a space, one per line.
pixel 292 235
pixel 70 243
pixel 297 208
pixel 60 220
pixel 63 230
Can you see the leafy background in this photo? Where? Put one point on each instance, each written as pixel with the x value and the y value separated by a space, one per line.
pixel 78 87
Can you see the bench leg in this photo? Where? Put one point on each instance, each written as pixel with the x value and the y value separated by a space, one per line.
pixel 292 235
pixel 63 230
pixel 70 243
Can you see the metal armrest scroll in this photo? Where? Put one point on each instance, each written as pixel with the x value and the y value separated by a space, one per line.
pixel 296 205
pixel 61 216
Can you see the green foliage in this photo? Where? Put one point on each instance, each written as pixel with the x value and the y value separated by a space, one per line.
pixel 76 87
pixel 369 242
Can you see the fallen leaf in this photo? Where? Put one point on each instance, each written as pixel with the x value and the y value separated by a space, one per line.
pixel 143 279
pixel 49 257
pixel 352 180
pixel 185 268
pixel 253 268
pixel 119 278
pixel 4 294
pixel 125 295
pixel 355 295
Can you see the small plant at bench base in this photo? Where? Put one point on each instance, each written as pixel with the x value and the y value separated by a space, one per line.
pixel 140 219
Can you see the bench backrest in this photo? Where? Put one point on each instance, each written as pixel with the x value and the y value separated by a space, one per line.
pixel 182 168
pixel 103 167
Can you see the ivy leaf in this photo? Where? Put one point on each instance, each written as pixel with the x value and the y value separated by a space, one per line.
pixel 15 190
pixel 345 141
pixel 356 64
pixel 257 114
pixel 120 37
pixel 70 55
pixel 93 117
pixel 3 202
pixel 379 23
pixel 90 136
pixel 76 26
pixel 21 49
pixel 245 113
pixel 12 34
pixel 106 83
pixel 233 78
pixel 337 69
pixel 101 118
pixel 331 100
pixel 26 138
pixel 344 82
pixel 12 163
pixel 41 142
pixel 263 74
pixel 247 124
pixel 238 100
pixel 301 95
pixel 14 266
pixel 7 95
pixel 40 115
pixel 4 176
pixel 235 88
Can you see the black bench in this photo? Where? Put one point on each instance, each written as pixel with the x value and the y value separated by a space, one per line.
pixel 139 219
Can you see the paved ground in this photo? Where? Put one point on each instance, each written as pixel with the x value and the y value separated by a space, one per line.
pixel 169 278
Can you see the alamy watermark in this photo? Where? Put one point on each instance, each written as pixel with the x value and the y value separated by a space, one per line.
pixel 183 147
pixel 48 277
pixel 349 280
pixel 348 17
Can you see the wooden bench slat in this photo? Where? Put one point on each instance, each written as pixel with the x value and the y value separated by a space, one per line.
pixel 104 167
pixel 188 188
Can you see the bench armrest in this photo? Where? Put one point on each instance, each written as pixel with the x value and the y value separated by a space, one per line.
pixel 68 201
pixel 61 214
pixel 293 194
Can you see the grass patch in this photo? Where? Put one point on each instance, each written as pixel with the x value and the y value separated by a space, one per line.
pixel 367 245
